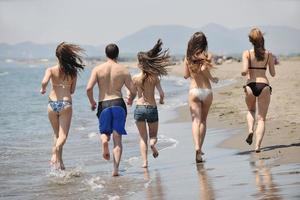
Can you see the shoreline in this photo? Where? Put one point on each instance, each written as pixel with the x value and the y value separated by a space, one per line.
pixel 282 137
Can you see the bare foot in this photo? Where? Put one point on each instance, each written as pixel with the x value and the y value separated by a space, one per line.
pixel 105 151
pixel 115 173
pixel 155 152
pixel 145 165
pixel 198 156
pixel 62 166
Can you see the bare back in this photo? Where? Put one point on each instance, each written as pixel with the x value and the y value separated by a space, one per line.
pixel 61 85
pixel 257 69
pixel 201 79
pixel 111 77
pixel 146 92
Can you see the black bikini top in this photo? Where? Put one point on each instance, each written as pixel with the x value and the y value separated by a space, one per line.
pixel 264 68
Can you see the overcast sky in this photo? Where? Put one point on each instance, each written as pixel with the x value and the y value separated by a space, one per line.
pixel 100 21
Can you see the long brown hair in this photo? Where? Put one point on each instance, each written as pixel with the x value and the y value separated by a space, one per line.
pixel 70 58
pixel 256 37
pixel 196 54
pixel 154 62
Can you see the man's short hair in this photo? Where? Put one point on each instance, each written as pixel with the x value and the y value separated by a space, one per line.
pixel 112 51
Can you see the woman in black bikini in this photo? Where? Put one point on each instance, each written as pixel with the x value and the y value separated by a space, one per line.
pixel 63 78
pixel 255 64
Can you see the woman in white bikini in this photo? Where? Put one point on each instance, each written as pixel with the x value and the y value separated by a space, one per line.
pixel 197 67
pixel 257 89
pixel 63 77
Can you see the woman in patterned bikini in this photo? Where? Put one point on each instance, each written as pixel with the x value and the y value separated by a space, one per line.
pixel 63 77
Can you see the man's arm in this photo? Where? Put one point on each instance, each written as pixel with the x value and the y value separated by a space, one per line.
pixel 90 87
pixel 131 88
pixel 45 81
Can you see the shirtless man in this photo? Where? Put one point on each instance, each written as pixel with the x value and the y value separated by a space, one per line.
pixel 111 77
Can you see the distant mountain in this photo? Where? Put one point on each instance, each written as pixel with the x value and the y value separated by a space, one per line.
pixel 221 40
pixel 30 50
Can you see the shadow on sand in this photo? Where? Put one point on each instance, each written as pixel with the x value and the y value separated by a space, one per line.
pixel 269 148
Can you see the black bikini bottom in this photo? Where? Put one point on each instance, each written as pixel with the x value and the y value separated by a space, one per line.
pixel 258 87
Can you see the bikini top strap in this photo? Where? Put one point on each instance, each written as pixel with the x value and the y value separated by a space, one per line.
pixel 267 60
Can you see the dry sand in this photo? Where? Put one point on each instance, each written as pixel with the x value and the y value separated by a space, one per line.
pixel 281 143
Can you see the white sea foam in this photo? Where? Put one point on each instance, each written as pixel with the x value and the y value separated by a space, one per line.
pixel 92 135
pixel 146 185
pixel 114 197
pixel 95 183
pixel 80 128
pixel 164 139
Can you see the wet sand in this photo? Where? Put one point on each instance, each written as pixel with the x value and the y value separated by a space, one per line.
pixel 231 169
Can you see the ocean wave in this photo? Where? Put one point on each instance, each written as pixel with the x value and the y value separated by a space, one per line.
pixel 3 73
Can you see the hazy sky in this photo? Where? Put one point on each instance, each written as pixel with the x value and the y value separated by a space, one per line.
pixel 100 21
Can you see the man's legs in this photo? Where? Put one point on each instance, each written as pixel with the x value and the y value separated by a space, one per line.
pixel 117 152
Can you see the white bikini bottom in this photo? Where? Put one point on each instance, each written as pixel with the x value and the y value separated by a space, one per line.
pixel 200 93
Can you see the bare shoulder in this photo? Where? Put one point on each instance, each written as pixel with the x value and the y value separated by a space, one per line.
pixel 268 52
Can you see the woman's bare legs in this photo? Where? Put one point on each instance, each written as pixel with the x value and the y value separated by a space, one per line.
pixel 153 129
pixel 143 141
pixel 65 117
pixel 117 152
pixel 53 118
pixel 263 105
pixel 204 112
pixel 250 100
pixel 199 111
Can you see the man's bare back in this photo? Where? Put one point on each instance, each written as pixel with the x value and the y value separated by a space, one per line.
pixel 111 77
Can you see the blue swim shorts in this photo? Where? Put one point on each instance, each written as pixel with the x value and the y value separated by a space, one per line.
pixel 112 116
pixel 146 113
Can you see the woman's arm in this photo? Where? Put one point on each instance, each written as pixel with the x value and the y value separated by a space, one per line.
pixel 45 80
pixel 271 64
pixel 205 70
pixel 73 85
pixel 245 63
pixel 161 92
pixel 186 69
pixel 90 87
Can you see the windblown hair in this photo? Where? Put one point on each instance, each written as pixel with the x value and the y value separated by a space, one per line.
pixel 154 62
pixel 70 58
pixel 256 37
pixel 196 54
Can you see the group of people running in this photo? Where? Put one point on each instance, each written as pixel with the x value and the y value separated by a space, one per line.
pixel 111 76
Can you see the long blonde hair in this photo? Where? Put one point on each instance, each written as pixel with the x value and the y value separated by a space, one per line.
pixel 196 54
pixel 256 37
